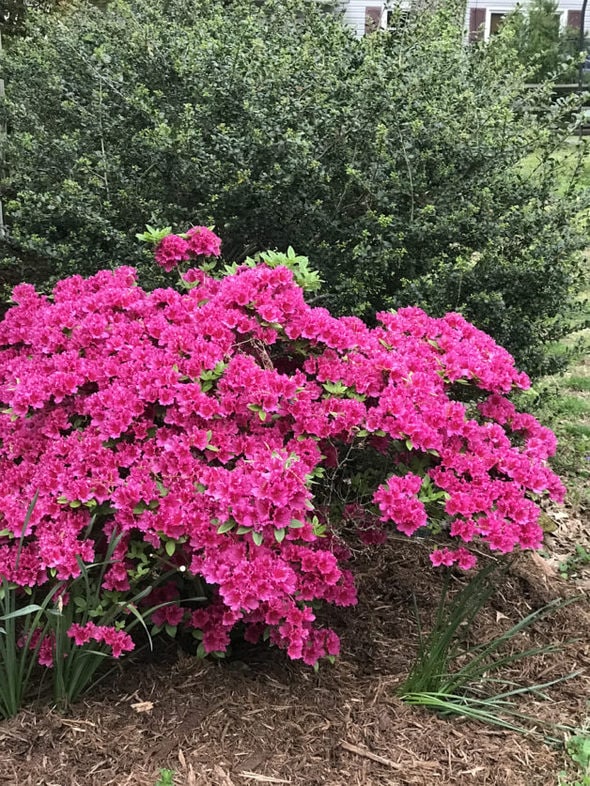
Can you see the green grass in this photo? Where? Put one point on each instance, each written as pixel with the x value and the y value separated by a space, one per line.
pixel 166 778
pixel 454 679
pixel 579 559
pixel 580 384
pixel 566 160
pixel 569 418
pixel 578 748
pixel 562 402
pixel 577 430
pixel 570 406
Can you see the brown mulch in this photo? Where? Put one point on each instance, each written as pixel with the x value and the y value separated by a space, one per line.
pixel 259 718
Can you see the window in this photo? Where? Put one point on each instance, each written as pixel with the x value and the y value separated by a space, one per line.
pixel 496 19
pixel 375 18
pixel 477 20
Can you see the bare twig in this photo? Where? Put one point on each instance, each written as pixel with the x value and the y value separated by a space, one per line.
pixel 367 754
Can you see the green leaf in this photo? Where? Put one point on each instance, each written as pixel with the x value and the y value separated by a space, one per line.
pixel 24 612
pixel 226 526
pixel 280 535
pixel 170 547
pixel 161 488
pixel 336 388
pixel 153 236
pixel 257 537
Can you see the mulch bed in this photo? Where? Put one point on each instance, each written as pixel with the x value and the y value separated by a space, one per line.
pixel 259 718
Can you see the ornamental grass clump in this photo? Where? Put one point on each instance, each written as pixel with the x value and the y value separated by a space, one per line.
pixel 453 678
pixel 226 438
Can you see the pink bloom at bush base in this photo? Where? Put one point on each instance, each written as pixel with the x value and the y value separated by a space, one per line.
pixel 216 421
pixel 117 640
pixel 463 558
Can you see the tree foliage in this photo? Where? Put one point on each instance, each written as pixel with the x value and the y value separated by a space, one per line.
pixel 395 163
pixel 544 47
pixel 13 14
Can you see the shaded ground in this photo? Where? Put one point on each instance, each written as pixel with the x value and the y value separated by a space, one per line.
pixel 259 718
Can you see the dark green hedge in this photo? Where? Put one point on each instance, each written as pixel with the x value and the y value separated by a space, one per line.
pixel 401 164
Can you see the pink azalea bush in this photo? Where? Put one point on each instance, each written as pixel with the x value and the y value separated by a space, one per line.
pixel 230 434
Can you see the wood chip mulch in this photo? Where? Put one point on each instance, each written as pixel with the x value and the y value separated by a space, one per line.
pixel 258 718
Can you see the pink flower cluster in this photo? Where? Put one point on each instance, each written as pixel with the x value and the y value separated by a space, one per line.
pixel 44 644
pixel 198 242
pixel 117 640
pixel 207 419
pixel 459 556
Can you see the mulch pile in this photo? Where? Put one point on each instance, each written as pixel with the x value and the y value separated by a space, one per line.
pixel 259 718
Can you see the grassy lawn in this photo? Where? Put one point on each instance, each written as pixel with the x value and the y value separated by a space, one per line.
pixel 562 402
pixel 572 154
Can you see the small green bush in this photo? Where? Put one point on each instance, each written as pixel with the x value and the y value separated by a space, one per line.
pixel 395 162
pixel 166 778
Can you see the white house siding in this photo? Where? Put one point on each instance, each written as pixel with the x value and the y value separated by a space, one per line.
pixel 479 14
pixel 356 13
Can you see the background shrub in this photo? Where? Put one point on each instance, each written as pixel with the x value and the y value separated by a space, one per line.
pixel 395 162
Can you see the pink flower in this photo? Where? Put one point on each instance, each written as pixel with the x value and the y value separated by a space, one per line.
pixel 441 557
pixel 464 559
pixel 171 250
pixel 117 640
pixel 82 633
pixel 203 242
pixel 398 502
pixel 44 645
